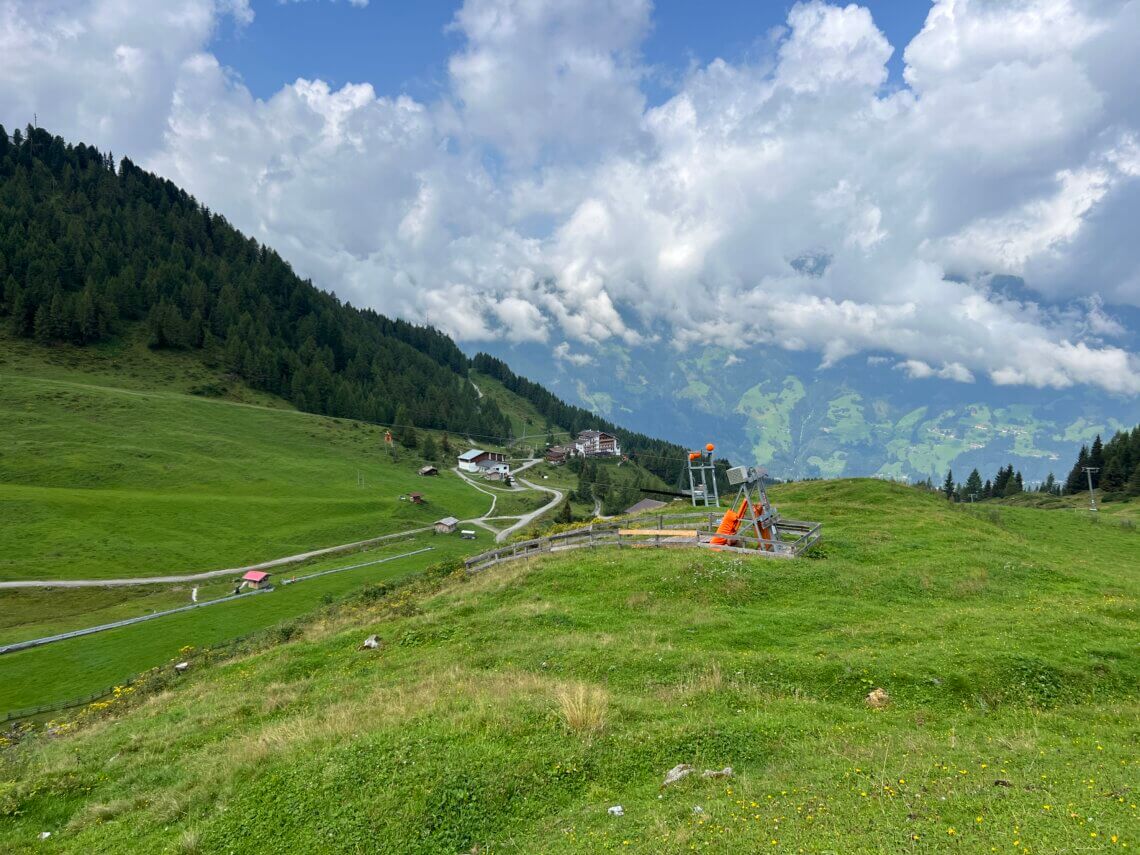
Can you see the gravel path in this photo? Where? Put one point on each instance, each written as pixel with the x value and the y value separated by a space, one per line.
pixel 304 556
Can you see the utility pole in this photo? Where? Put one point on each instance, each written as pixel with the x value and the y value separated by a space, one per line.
pixel 1089 470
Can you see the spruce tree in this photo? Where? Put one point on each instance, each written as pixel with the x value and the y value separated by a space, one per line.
pixel 1012 486
pixel 948 484
pixel 1132 488
pixel 1076 480
pixel 428 449
pixel 974 485
pixel 1096 458
pixel 1115 476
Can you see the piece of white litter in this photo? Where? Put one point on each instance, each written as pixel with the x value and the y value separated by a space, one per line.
pixel 698 809
pixel 371 642
pixel 616 810
pixel 44 835
pixel 181 666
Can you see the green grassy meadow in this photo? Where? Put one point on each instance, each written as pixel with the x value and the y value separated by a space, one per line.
pixel 525 419
pixel 27 613
pixel 80 666
pixel 99 481
pixel 508 711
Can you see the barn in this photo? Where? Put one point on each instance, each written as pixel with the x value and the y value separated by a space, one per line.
pixel 256 579
pixel 469 460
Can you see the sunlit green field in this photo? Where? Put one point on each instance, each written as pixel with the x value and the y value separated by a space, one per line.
pixel 508 712
pixel 87 664
pixel 99 481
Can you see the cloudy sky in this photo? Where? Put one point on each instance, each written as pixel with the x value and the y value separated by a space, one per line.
pixel 845 180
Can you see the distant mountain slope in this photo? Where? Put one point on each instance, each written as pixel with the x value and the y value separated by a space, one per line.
pixel 859 417
pixel 88 251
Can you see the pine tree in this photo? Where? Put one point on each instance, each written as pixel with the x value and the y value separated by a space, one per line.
pixel 1096 459
pixel 1012 486
pixel 42 326
pixel 1115 475
pixel 973 488
pixel 948 484
pixel 428 449
pixel 584 492
pixel 565 513
pixel 1076 480
pixel 402 428
pixel 1132 488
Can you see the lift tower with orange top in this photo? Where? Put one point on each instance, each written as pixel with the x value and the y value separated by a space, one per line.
pixel 702 478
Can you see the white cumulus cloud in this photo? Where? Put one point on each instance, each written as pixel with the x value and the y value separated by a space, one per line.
pixel 799 200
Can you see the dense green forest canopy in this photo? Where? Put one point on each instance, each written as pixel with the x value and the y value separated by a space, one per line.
pixel 88 250
pixel 1115 465
pixel 1112 467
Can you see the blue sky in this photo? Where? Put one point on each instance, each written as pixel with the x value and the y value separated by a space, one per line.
pixel 402 46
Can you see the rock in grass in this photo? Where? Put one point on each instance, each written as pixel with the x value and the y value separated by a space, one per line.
pixel 181 667
pixel 616 810
pixel 878 699
pixel 726 772
pixel 676 773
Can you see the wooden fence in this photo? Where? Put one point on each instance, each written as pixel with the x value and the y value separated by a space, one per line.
pixel 672 530
pixel 71 703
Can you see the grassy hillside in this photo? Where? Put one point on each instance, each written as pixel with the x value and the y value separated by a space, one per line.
pixel 506 713
pixel 112 467
pixel 1117 510
pixel 88 664
pixel 525 420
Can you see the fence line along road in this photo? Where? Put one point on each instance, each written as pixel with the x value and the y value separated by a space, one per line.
pixel 70 703
pixel 208 574
pixel 16 715
pixel 76 633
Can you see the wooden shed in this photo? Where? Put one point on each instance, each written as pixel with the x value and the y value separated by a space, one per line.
pixel 256 579
pixel 446 525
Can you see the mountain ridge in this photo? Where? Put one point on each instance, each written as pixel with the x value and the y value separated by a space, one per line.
pixel 90 248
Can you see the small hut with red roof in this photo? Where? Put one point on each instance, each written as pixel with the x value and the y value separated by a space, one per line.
pixel 256 579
